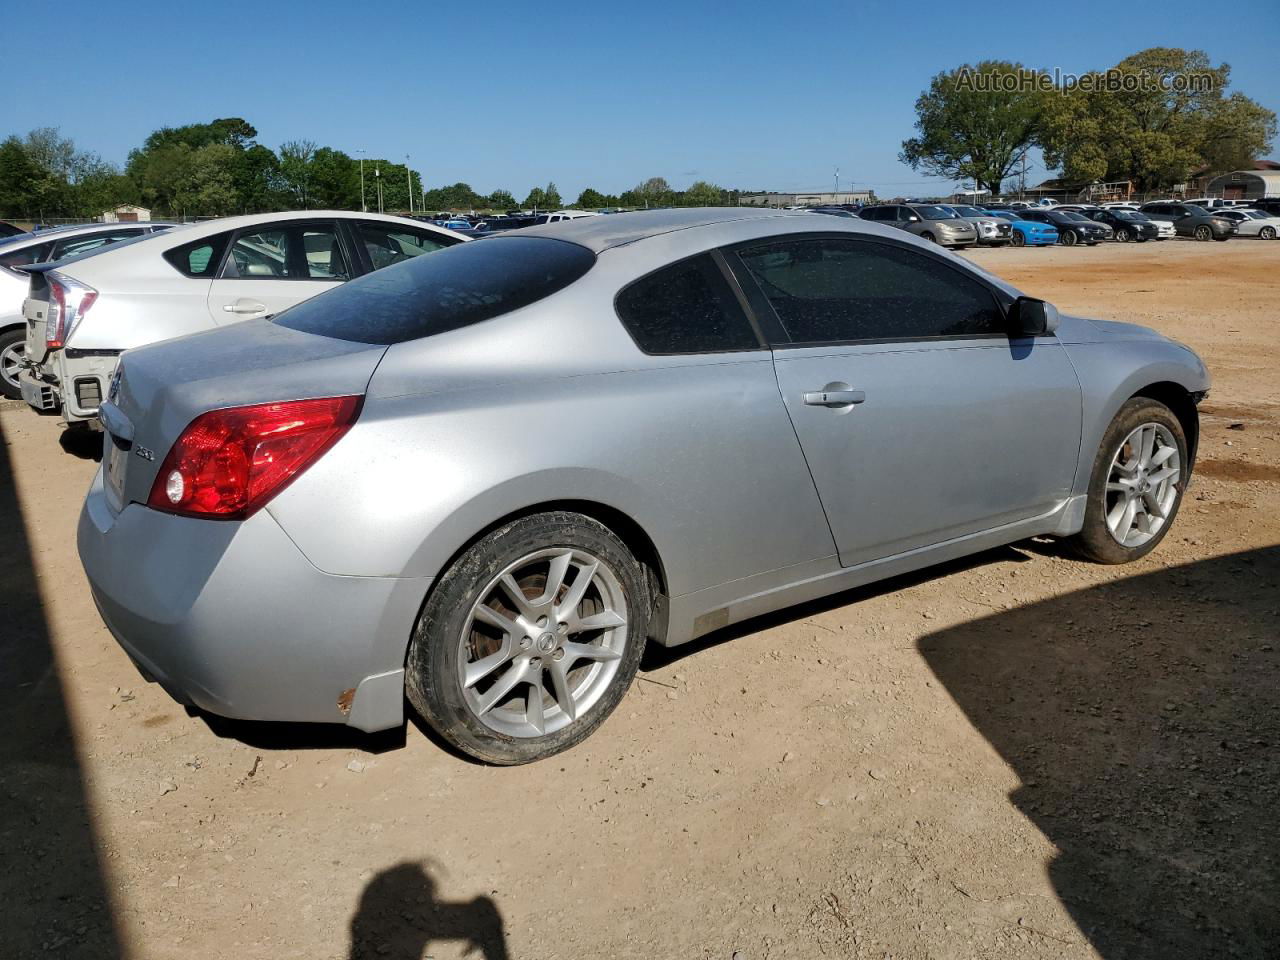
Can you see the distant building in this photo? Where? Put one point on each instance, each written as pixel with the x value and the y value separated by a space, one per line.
pixel 1245 185
pixel 804 199
pixel 127 213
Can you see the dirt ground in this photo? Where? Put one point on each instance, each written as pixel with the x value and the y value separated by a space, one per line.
pixel 1019 755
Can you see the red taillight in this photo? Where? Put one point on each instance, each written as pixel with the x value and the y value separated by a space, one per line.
pixel 69 301
pixel 229 463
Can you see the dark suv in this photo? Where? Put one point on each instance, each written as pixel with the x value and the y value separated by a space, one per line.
pixel 1190 220
pixel 1073 228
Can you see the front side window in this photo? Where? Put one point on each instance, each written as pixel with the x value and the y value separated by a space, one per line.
pixel 465 284
pixel 290 252
pixel 685 308
pixel 388 244
pixel 834 290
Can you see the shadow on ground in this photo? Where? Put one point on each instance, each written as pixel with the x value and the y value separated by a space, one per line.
pixel 399 917
pixel 53 899
pixel 1143 718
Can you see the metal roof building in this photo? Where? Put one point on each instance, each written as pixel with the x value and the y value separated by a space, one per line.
pixel 1245 185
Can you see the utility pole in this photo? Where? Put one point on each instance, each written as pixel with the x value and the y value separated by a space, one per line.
pixel 837 184
pixel 408 178
pixel 363 207
pixel 1022 180
pixel 377 178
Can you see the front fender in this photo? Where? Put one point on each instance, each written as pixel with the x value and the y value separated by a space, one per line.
pixel 1113 371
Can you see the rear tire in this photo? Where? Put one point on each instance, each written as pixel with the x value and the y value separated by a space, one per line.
pixel 499 693
pixel 1124 471
pixel 13 344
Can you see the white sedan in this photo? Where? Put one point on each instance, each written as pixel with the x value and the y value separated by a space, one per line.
pixel 82 313
pixel 23 249
pixel 1252 223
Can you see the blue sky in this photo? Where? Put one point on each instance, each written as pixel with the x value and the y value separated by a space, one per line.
pixel 599 94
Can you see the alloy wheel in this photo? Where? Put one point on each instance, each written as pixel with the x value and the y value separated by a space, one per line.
pixel 543 642
pixel 1267 233
pixel 1123 235
pixel 1069 238
pixel 1142 484
pixel 10 363
pixel 1203 233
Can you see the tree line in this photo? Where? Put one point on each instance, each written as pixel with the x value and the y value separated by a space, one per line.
pixel 219 168
pixel 1152 119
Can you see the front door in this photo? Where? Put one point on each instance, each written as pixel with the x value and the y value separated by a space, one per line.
pixel 920 419
pixel 271 268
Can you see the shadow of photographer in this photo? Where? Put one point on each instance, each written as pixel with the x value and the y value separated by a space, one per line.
pixel 399 916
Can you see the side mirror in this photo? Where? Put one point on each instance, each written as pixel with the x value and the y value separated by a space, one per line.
pixel 1030 317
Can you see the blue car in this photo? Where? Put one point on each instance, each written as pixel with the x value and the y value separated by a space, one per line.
pixel 1027 233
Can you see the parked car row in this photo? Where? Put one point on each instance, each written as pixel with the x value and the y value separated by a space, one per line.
pixel 85 299
pixel 386 465
pixel 964 225
pixel 23 249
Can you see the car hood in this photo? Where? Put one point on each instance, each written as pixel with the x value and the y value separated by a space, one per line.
pixel 1085 330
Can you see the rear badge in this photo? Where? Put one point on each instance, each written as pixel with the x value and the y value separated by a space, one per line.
pixel 144 453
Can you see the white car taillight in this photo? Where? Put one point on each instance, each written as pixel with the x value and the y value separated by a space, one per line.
pixel 69 301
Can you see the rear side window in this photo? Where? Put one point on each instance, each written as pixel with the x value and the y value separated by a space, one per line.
pixel 35 253
pixel 199 258
pixel 459 286
pixel 685 308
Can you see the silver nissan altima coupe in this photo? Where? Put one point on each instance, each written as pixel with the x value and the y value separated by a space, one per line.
pixel 483 480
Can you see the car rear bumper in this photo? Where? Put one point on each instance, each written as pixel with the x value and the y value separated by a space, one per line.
pixel 233 619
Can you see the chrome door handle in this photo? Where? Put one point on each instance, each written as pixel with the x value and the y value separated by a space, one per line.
pixel 244 306
pixel 834 398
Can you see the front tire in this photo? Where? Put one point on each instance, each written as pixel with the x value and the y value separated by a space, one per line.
pixel 530 639
pixel 1123 235
pixel 1203 233
pixel 1139 475
pixel 1267 233
pixel 13 346
pixel 1069 238
pixel 1018 240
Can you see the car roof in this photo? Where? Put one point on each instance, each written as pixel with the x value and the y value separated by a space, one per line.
pixel 71 229
pixel 602 233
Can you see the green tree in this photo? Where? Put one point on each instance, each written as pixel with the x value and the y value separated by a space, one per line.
pixel 295 170
pixel 551 197
pixel 591 199
pixel 500 200
pixel 335 180
pixel 703 194
pixel 975 122
pixel 213 180
pixel 1152 119
pixel 536 200
pixel 654 192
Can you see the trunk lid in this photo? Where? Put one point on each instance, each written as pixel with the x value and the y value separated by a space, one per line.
pixel 159 389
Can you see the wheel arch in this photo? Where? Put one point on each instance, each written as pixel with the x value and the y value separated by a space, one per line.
pixel 1183 404
pixel 633 535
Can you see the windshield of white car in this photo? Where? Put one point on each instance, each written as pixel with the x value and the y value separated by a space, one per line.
pixel 452 288
pixel 937 212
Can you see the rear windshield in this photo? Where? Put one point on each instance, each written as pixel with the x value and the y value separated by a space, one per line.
pixel 456 287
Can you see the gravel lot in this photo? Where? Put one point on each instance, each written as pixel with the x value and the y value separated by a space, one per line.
pixel 1018 755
